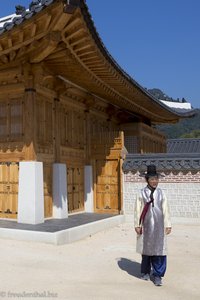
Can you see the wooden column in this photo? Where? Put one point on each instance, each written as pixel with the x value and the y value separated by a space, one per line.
pixel 89 103
pixel 88 138
pixel 60 88
pixel 57 129
pixel 29 115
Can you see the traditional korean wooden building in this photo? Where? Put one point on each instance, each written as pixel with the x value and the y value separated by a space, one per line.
pixel 66 110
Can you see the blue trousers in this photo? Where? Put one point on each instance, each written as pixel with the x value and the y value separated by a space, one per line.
pixel 157 263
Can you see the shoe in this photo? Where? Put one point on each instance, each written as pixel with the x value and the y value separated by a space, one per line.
pixel 157 281
pixel 145 277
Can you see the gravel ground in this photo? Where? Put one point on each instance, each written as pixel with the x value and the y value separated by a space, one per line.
pixel 103 266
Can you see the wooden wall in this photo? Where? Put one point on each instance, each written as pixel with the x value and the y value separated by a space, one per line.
pixel 68 133
pixel 40 123
pixel 142 138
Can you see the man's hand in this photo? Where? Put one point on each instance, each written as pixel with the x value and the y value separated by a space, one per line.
pixel 168 230
pixel 138 230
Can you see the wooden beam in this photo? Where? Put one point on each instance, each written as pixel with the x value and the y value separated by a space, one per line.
pixel 97 68
pixel 60 21
pixel 93 63
pixel 4 59
pixel 79 41
pixel 57 55
pixel 9 73
pixel 21 52
pixel 47 21
pixel 42 53
pixel 69 36
pixel 11 88
pixel 85 53
pixel 33 30
pixel 34 45
pixel 21 36
pixel 9 42
pixel 46 48
pixel 94 58
pixel 76 49
pixel 73 24
pixel 12 55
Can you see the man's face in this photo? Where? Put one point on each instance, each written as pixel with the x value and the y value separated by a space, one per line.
pixel 153 181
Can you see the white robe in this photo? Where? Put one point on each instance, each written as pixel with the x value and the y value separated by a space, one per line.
pixel 152 241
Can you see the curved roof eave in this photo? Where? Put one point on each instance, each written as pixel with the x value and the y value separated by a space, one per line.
pixel 98 40
pixel 15 20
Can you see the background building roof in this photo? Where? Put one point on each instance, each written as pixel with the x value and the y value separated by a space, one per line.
pixel 178 106
pixel 183 146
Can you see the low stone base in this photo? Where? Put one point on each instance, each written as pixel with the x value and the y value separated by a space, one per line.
pixel 61 236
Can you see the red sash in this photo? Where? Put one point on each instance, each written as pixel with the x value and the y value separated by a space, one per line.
pixel 146 207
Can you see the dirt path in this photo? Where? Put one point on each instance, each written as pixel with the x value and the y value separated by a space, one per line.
pixel 104 266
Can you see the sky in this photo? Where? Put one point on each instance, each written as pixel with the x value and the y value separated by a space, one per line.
pixel 157 42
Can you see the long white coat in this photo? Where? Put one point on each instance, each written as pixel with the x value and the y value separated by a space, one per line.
pixel 152 241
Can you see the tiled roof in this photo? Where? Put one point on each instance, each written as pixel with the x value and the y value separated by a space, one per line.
pixel 165 162
pixel 177 104
pixel 180 110
pixel 182 155
pixel 183 146
pixel 8 22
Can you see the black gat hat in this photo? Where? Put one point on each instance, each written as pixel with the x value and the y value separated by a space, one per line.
pixel 151 172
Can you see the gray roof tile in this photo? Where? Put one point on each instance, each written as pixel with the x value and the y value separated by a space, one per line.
pixel 18 20
pixel 183 146
pixel 35 6
pixel 164 162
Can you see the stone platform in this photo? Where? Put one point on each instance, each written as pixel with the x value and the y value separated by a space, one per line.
pixel 60 231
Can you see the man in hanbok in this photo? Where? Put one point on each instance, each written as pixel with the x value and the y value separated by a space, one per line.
pixel 152 225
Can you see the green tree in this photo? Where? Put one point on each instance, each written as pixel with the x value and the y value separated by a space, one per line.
pixel 193 134
pixel 183 127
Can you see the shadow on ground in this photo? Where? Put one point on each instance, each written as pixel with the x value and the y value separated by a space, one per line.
pixel 131 267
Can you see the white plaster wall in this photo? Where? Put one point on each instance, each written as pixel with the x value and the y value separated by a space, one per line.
pixel 184 199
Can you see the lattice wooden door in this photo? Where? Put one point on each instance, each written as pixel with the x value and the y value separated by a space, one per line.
pixel 9 190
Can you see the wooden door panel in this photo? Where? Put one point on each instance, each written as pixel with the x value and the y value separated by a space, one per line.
pixel 48 199
pixel 107 180
pixel 114 202
pixel 76 201
pixel 100 201
pixel 107 187
pixel 75 189
pixel 70 202
pixel 9 190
